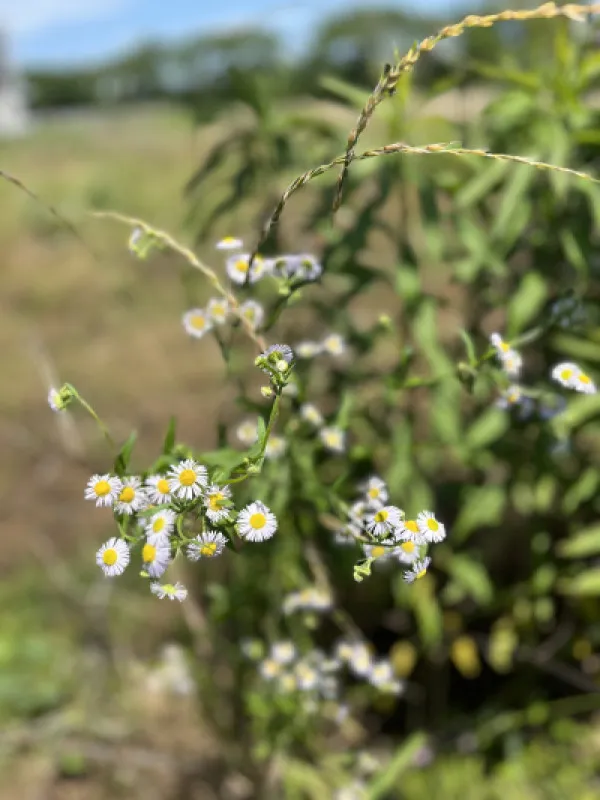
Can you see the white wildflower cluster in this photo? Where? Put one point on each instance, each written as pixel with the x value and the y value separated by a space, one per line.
pixel 333 344
pixel 568 374
pixel 177 512
pixel 310 599
pixel 301 267
pixel 319 676
pixel 384 532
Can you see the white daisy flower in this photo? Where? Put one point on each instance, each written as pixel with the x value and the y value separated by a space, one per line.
pixel 132 496
pixel 375 490
pixel 158 490
pixel 306 676
pixel 161 523
pixel 237 267
pixel 500 346
pixel 104 489
pixel 174 591
pixel 360 659
pixel 217 309
pixel 343 650
pixel 206 545
pixel 512 363
pixel 333 438
pixel 308 349
pixel 429 528
pixel 277 353
pixel 229 243
pixel 309 268
pixel 510 397
pixel 270 669
pixel 256 522
pixel 276 447
pixel 283 652
pixel 156 556
pixel 310 413
pixel 247 431
pixel 377 552
pixel 253 312
pixel 196 322
pixel 411 532
pixel 187 479
pixel 572 377
pixel 113 557
pixel 406 552
pixel 384 521
pixel 217 500
pixel 382 676
pixel 418 570
pixel 55 401
pixel 358 512
pixel 283 266
pixel 286 683
pixel 334 344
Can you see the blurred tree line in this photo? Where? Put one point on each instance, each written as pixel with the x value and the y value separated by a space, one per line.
pixel 200 72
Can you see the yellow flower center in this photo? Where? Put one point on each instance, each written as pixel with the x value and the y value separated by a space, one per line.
pixel 504 347
pixel 127 494
pixel 584 378
pixel 408 547
pixel 187 477
pixel 513 397
pixel 374 493
pixel 209 549
pixel 421 574
pixel 411 526
pixel 198 321
pixel 218 310
pixel 433 525
pixel 241 266
pixel 381 515
pixel 250 313
pixel 228 240
pixel 257 521
pixel 162 485
pixel 148 553
pixel 158 524
pixel 102 488
pixel 110 557
pixel 216 501
pixel 566 374
pixel 377 552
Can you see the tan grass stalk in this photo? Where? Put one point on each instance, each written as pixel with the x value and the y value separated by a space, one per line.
pixel 386 86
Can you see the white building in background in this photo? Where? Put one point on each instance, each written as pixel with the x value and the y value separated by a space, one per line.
pixel 14 112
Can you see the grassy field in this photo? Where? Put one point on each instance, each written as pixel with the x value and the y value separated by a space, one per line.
pixel 87 312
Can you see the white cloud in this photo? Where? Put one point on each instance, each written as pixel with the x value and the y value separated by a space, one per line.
pixel 33 15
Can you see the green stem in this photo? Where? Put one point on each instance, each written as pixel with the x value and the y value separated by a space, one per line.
pixel 92 413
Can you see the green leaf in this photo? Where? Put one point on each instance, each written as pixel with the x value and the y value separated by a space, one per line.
pixel 586 584
pixel 226 458
pixel 579 411
pixel 425 332
pixel 469 347
pixel 169 442
pixel 581 491
pixel 124 456
pixel 482 506
pixel 487 429
pixel 472 577
pixel 585 543
pixel 402 760
pixel 526 303
pixel 481 184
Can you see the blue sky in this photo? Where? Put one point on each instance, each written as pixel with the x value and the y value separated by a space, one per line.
pixel 61 32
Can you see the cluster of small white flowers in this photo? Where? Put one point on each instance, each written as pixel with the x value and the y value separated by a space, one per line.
pixel 301 267
pixel 509 358
pixel 160 533
pixel 568 374
pixel 310 599
pixel 333 344
pixel 384 532
pixel 362 663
